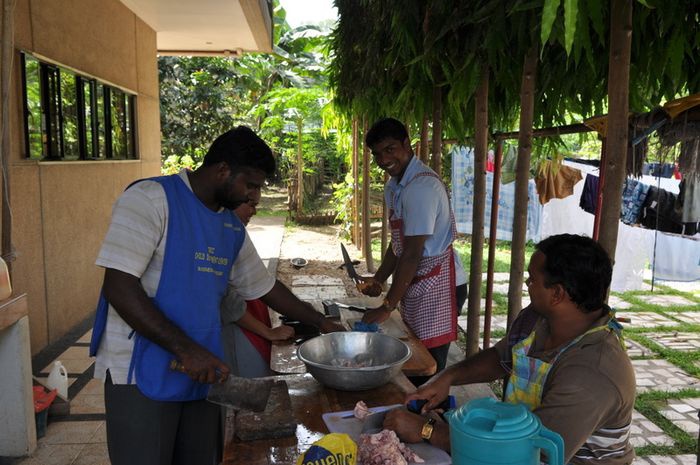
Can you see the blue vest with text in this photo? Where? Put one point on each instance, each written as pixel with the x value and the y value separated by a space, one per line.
pixel 200 249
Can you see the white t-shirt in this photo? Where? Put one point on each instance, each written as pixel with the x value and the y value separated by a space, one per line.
pixel 135 244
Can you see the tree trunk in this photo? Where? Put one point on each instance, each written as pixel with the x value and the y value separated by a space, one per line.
pixel 517 259
pixel 616 140
pixel 480 148
pixel 366 231
pixel 300 170
pixel 436 160
pixel 355 184
pixel 423 151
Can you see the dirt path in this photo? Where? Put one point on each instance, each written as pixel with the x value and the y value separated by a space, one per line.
pixel 319 245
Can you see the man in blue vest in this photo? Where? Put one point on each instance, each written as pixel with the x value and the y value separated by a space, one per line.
pixel 172 248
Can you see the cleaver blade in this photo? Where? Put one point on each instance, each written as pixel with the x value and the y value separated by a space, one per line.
pixel 242 393
pixel 374 422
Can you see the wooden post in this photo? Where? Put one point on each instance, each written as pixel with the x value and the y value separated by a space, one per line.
pixel 480 148
pixel 5 78
pixel 517 259
pixel 355 184
pixel 618 101
pixel 300 171
pixel 366 223
pixel 599 193
pixel 495 193
pixel 423 150
pixel 385 220
pixel 436 160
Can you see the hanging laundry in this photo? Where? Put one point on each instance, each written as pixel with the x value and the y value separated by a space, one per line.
pixel 659 212
pixel 555 181
pixel 633 195
pixel 689 199
pixel 589 196
pixel 508 166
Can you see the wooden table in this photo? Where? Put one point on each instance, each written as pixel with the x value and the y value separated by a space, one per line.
pixel 309 401
pixel 421 363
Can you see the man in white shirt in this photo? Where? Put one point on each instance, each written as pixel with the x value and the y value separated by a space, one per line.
pixel 172 248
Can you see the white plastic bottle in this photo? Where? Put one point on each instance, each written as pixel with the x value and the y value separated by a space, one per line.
pixel 5 286
pixel 58 379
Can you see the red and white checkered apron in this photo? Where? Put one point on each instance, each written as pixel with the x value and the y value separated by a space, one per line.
pixel 429 304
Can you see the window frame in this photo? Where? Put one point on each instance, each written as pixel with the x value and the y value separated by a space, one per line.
pixel 52 118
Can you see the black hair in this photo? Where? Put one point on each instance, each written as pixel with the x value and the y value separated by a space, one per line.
pixel 386 128
pixel 580 265
pixel 241 148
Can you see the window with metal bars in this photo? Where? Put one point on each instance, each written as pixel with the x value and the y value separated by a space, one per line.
pixel 68 116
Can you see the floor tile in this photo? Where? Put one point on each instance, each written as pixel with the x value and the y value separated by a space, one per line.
pixel 677 341
pixel 667 300
pixel 319 293
pixel 93 387
pixel 316 280
pixel 683 414
pixel 644 320
pixel 686 317
pixel 100 435
pixel 660 375
pixel 70 432
pixel 635 349
pixel 86 337
pixel 87 403
pixel 52 454
pixel 73 366
pixel 645 433
pixel 93 454
pixel 617 303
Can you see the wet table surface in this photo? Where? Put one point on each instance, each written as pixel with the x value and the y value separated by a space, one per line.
pixel 309 401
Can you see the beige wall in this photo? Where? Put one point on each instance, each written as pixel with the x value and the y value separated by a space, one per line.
pixel 61 210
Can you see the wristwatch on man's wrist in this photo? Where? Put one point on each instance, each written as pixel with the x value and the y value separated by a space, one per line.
pixel 427 431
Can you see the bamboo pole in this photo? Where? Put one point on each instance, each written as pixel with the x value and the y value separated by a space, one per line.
pixel 385 221
pixel 423 148
pixel 495 193
pixel 480 148
pixel 436 160
pixel 599 193
pixel 517 260
pixel 355 184
pixel 300 171
pixel 618 101
pixel 5 147
pixel 366 229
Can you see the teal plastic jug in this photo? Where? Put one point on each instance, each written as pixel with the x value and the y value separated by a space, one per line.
pixel 488 432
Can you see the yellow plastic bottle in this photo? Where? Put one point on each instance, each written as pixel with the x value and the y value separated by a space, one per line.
pixel 5 286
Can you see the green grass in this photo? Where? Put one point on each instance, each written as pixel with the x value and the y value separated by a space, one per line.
pixel 649 404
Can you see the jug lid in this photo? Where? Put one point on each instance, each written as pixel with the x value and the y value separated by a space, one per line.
pixel 490 419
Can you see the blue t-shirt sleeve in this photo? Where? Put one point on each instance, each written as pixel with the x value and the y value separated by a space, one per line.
pixel 420 202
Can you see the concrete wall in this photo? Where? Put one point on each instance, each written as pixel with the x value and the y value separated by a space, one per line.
pixel 61 210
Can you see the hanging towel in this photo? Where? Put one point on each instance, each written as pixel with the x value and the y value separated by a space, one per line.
pixel 633 196
pixel 589 196
pixel 555 181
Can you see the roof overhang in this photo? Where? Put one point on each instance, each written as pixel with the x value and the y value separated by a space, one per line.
pixel 207 27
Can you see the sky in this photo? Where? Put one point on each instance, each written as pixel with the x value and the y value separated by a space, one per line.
pixel 300 12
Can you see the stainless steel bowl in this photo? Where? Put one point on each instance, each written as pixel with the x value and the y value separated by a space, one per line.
pixel 373 359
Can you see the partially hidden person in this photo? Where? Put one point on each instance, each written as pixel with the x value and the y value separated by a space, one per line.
pixel 420 257
pixel 173 246
pixel 564 358
pixel 247 330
